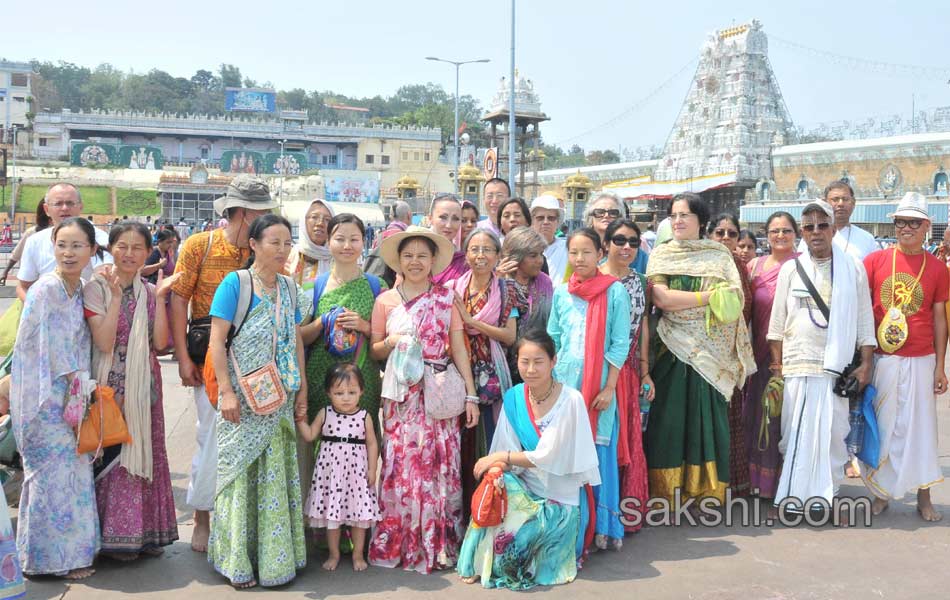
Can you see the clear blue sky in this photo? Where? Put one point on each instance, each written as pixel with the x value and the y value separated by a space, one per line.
pixel 589 60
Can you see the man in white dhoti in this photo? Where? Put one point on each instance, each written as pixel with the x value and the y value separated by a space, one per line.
pixel 909 288
pixel 810 350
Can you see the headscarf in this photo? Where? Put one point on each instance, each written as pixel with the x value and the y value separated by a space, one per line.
pixel 305 245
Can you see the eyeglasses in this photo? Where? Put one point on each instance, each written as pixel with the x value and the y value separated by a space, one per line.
pixel 547 218
pixel 65 204
pixel 909 223
pixel 810 227
pixel 729 233
pixel 621 240
pixel 681 216
pixel 599 213
pixel 783 231
pixel 485 250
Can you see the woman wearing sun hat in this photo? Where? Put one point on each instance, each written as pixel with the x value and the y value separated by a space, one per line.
pixel 421 489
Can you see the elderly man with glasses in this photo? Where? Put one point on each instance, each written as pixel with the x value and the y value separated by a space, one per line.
pixel 909 289
pixel 62 202
pixel 811 345
pixel 546 217
pixel 850 238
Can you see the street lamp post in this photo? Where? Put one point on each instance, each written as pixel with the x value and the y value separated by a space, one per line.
pixel 457 64
pixel 283 173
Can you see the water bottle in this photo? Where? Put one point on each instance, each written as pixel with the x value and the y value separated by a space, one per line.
pixel 644 406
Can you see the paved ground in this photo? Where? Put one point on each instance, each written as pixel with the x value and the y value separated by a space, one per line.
pixel 898 557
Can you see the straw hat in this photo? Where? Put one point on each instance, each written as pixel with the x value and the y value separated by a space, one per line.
pixel 389 248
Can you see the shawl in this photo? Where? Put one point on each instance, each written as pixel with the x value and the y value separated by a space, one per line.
pixel 457 268
pixel 843 322
pixel 306 247
pixel 721 354
pixel 137 407
pixel 594 291
pixel 491 314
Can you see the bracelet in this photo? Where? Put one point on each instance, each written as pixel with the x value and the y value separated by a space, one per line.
pixel 387 344
pixel 699 298
pixel 775 367
pixel 472 399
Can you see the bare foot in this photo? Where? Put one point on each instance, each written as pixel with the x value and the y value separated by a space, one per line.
pixel 925 507
pixel 331 563
pixel 359 563
pixel 121 556
pixel 153 551
pixel 245 585
pixel 470 580
pixel 878 505
pixel 77 574
pixel 199 537
pixel 853 470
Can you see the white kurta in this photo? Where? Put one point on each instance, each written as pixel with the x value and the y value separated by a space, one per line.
pixel 906 412
pixel 556 255
pixel 565 458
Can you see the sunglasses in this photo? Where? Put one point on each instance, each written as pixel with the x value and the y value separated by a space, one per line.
pixel 810 227
pixel 545 218
pixel 599 213
pixel 620 241
pixel 729 233
pixel 909 223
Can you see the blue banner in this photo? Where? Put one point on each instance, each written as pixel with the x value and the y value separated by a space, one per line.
pixel 249 100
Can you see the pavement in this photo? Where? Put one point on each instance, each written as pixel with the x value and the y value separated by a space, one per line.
pixel 899 556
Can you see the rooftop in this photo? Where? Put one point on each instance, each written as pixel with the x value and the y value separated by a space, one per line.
pixel 942 137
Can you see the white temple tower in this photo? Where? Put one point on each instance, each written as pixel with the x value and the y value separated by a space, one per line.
pixel 733 114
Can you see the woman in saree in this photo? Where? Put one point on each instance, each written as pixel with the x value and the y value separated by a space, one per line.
pixel 703 354
pixel 310 255
pixel 725 230
pixel 127 317
pixel 765 460
pixel 490 308
pixel 420 494
pixel 58 526
pixel 445 219
pixel 621 244
pixel 522 259
pixel 544 444
pixel 257 531
pixel 590 326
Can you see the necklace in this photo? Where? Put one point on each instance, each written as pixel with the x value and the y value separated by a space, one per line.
pixel 342 282
pixel 901 293
pixel 269 292
pixel 544 398
pixel 402 293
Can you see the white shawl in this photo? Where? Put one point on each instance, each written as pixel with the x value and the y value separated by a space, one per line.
pixel 843 321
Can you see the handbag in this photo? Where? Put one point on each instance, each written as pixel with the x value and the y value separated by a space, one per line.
pixel 490 500
pixel 443 391
pixel 199 330
pixel 263 388
pixel 102 427
pixel 772 399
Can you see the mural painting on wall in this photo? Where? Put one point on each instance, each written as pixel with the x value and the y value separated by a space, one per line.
pixel 141 157
pixel 889 179
pixel 92 155
pixel 242 161
pixel 290 163
pixel 352 189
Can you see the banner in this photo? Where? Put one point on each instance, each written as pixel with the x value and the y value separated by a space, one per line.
pixel 141 157
pixel 249 100
pixel 352 189
pixel 83 154
pixel 290 163
pixel 242 161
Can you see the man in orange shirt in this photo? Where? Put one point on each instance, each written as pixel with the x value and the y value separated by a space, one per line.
pixel 204 260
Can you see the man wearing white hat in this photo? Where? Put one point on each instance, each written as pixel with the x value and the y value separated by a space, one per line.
pixel 909 288
pixel 546 217
pixel 811 345
pixel 204 260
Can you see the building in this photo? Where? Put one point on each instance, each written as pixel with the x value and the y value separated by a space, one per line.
pixel 16 96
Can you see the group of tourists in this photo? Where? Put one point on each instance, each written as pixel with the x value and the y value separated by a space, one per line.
pixel 493 356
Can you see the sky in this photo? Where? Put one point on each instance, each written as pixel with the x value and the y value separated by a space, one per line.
pixel 590 61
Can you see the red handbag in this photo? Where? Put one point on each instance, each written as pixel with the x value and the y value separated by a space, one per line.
pixel 490 500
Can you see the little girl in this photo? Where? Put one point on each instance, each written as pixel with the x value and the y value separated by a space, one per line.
pixel 344 478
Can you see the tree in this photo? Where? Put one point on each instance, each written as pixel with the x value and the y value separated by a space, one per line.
pixel 230 75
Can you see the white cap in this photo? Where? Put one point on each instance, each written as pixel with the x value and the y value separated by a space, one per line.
pixel 821 205
pixel 912 206
pixel 548 202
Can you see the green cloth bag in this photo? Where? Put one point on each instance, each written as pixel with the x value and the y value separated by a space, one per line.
pixel 725 306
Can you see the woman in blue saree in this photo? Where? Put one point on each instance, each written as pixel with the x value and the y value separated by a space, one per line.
pixel 544 439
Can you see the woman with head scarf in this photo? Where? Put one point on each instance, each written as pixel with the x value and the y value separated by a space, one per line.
pixel 310 256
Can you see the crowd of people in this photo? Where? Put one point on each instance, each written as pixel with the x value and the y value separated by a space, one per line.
pixel 571 373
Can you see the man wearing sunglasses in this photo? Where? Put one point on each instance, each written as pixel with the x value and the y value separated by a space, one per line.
pixel 909 288
pixel 850 238
pixel 820 316
pixel 546 218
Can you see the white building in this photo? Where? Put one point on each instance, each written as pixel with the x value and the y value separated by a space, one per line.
pixel 15 95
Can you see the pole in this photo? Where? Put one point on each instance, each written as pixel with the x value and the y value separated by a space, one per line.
pixel 511 106
pixel 456 150
pixel 14 187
